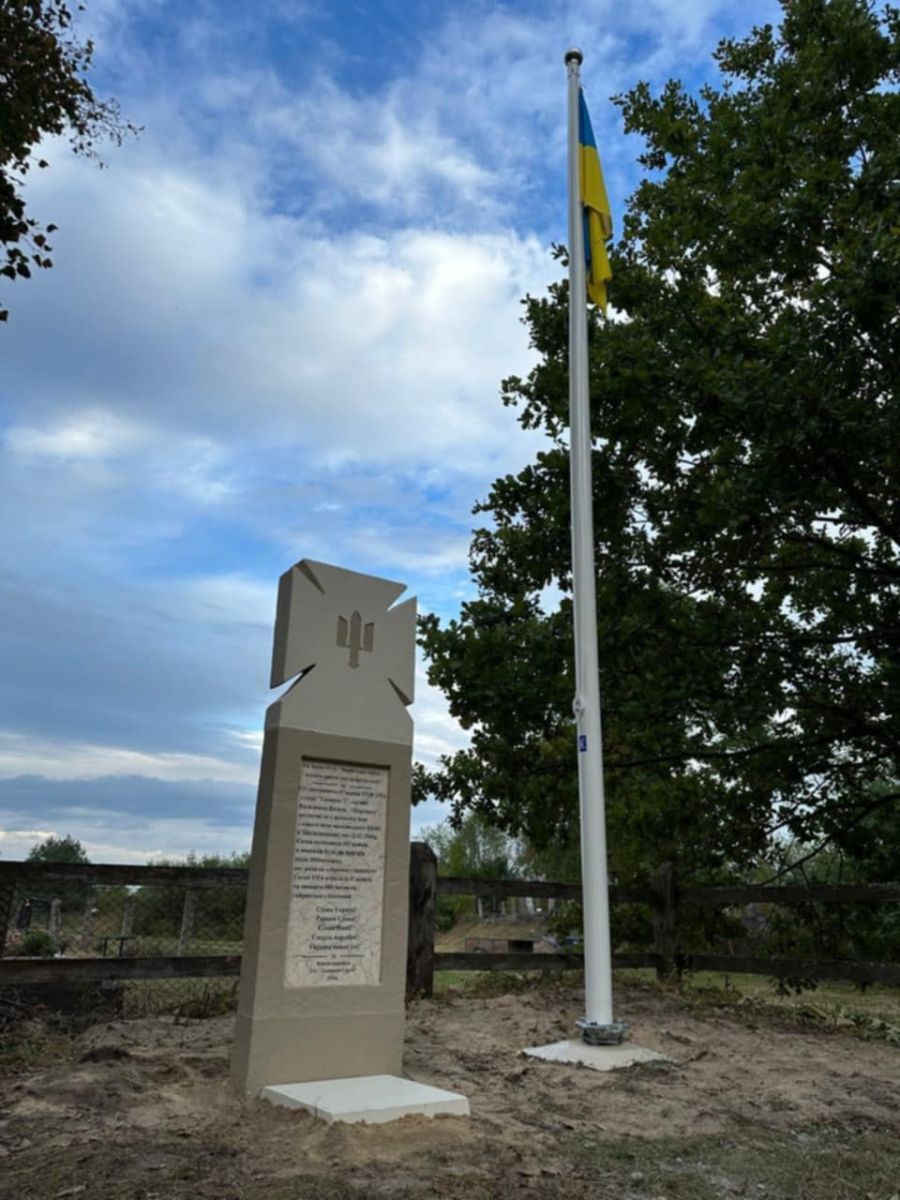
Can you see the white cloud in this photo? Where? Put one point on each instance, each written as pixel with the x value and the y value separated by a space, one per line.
pixel 231 599
pixel 91 434
pixel 197 468
pixel 378 150
pixel 21 754
pixel 159 839
pixel 182 304
pixel 249 739
pixel 436 732
pixel 15 843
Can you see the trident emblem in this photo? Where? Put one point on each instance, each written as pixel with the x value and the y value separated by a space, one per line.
pixel 356 636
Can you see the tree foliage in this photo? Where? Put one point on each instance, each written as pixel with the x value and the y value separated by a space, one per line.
pixel 473 848
pixel 870 853
pixel 746 500
pixel 44 94
pixel 64 849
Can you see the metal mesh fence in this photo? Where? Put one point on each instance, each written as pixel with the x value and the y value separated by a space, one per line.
pixel 84 919
pixel 168 938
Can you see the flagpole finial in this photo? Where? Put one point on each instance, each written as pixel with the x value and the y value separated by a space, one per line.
pixel 575 54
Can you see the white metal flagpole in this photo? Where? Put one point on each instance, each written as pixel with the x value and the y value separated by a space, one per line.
pixel 597 1026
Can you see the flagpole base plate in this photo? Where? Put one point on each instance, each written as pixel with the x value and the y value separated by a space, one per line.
pixel 575 1053
pixel 595 1034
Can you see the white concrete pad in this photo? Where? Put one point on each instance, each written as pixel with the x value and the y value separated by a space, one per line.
pixel 373 1099
pixel 598 1058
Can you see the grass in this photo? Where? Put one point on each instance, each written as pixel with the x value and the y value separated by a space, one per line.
pixel 153 1167
pixel 30 1045
pixel 876 1000
pixel 190 998
pixel 821 1163
pixel 818 1164
pixel 312 1188
pixel 872 1012
pixel 498 983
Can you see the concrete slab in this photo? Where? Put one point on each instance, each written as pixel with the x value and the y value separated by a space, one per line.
pixel 373 1099
pixel 598 1058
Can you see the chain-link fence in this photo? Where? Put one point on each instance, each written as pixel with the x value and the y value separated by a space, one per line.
pixel 191 915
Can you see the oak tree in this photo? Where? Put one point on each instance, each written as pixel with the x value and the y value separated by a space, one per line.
pixel 744 405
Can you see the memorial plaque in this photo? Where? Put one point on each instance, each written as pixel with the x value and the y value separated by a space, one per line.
pixel 337 886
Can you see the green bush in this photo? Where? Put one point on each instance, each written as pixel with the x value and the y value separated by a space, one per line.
pixel 37 944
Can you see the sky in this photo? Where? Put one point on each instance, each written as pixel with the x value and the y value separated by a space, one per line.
pixel 275 329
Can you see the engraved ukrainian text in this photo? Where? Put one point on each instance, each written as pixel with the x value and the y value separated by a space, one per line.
pixel 334 924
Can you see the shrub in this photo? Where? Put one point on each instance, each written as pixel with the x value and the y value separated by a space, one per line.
pixel 36 944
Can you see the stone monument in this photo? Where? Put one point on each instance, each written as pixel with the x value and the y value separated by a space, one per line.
pixel 321 1001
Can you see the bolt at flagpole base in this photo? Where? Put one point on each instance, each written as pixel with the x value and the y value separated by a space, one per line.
pixel 595 1034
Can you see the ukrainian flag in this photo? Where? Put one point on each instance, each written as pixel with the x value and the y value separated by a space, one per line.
pixel 595 208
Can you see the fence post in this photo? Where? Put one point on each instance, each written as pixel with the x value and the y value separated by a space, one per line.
pixel 665 943
pixel 87 928
pixel 54 925
pixel 187 922
pixel 422 898
pixel 128 916
pixel 7 908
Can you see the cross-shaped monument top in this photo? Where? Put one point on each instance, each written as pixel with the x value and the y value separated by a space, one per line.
pixel 353 652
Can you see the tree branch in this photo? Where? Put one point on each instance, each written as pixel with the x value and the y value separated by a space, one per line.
pixel 826 841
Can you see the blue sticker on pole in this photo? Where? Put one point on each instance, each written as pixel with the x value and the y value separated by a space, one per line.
pixel 582 742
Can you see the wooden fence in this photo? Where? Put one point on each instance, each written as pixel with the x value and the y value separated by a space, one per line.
pixel 664 896
pixel 662 893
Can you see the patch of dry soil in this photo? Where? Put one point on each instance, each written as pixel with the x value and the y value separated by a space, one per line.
pixel 143 1109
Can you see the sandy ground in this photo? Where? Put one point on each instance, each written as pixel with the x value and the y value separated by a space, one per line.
pixel 143 1109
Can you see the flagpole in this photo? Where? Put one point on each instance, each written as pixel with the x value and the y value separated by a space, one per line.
pixel 597 1026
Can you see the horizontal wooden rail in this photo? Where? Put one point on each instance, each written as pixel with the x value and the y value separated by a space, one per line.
pixel 17 971
pixel 791 893
pixel 712 896
pixel 459 885
pixel 474 961
pixel 110 874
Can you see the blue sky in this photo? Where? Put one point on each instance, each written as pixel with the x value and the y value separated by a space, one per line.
pixel 276 329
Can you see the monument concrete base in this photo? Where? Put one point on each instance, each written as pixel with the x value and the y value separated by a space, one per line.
pixel 598 1058
pixel 373 1099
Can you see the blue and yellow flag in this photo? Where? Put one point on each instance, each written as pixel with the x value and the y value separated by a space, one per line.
pixel 596 210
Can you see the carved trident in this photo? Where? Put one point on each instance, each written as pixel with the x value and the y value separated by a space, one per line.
pixel 356 636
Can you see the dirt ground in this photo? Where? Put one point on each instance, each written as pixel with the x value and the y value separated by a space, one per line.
pixel 142 1110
